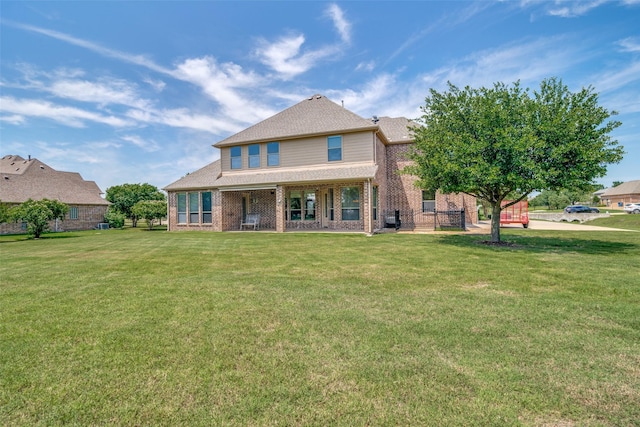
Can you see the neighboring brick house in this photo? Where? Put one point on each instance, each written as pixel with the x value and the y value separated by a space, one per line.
pixel 22 179
pixel 627 192
pixel 313 166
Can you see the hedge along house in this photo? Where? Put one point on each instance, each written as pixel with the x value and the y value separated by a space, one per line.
pixel 313 166
pixel 22 179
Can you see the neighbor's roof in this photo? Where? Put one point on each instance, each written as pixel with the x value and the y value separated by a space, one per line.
pixel 629 187
pixel 316 115
pixel 32 179
pixel 202 178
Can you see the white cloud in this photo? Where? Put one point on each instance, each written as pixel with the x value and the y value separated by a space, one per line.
pixel 104 51
pixel 366 66
pixel 286 56
pixel 621 78
pixel 69 116
pixel 157 85
pixel 103 92
pixel 342 25
pixel 183 118
pixel 630 44
pixel 572 9
pixel 222 82
pixel 528 61
pixel 147 145
pixel 14 119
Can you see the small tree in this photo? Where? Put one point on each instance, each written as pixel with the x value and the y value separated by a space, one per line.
pixel 5 212
pixel 38 213
pixel 114 218
pixel 124 197
pixel 150 210
pixel 501 143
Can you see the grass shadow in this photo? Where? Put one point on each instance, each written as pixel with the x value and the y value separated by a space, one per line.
pixel 543 244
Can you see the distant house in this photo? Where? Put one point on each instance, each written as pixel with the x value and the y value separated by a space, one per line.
pixel 23 179
pixel 313 166
pixel 627 192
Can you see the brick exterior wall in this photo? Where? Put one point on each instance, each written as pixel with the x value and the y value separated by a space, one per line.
pixel 216 213
pixel 405 196
pixel 89 216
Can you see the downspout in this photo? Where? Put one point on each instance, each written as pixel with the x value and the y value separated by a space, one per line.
pixel 370 219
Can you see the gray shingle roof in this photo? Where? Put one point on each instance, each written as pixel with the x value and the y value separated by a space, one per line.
pixel 204 177
pixel 323 173
pixel 316 115
pixel 209 176
pixel 395 129
pixel 629 187
pixel 22 179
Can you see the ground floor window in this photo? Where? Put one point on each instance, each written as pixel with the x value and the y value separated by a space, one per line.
pixel 194 207
pixel 350 201
pixel 73 212
pixel 182 208
pixel 328 204
pixel 206 207
pixel 309 205
pixel 428 201
pixel 197 205
pixel 375 203
pixel 301 205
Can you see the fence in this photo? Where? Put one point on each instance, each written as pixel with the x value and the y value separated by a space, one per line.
pixel 432 219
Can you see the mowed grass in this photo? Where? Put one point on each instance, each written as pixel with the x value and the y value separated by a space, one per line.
pixel 133 327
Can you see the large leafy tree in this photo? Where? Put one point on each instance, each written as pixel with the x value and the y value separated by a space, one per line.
pixel 150 210
pixel 503 143
pixel 38 213
pixel 124 197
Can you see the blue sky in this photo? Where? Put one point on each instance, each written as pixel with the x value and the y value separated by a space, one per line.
pixel 132 92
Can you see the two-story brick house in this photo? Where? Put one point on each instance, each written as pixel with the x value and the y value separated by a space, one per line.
pixel 313 166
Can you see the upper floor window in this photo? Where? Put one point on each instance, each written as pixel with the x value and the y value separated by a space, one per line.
pixel 254 156
pixel 236 157
pixel 273 154
pixel 334 144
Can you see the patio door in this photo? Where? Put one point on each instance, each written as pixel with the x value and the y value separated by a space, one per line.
pixel 327 207
pixel 245 206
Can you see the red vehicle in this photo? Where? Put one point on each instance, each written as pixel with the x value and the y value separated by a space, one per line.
pixel 517 213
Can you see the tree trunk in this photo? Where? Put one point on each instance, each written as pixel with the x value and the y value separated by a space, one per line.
pixel 495 222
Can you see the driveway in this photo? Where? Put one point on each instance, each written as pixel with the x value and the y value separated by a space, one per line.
pixel 551 225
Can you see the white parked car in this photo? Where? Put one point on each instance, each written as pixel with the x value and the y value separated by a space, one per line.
pixel 632 208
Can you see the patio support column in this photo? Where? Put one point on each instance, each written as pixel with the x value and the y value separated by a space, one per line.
pixel 368 207
pixel 280 207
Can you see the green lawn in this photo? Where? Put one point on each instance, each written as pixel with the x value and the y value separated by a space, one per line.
pixel 133 327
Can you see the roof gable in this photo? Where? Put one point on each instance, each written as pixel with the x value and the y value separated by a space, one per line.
pixel 316 115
